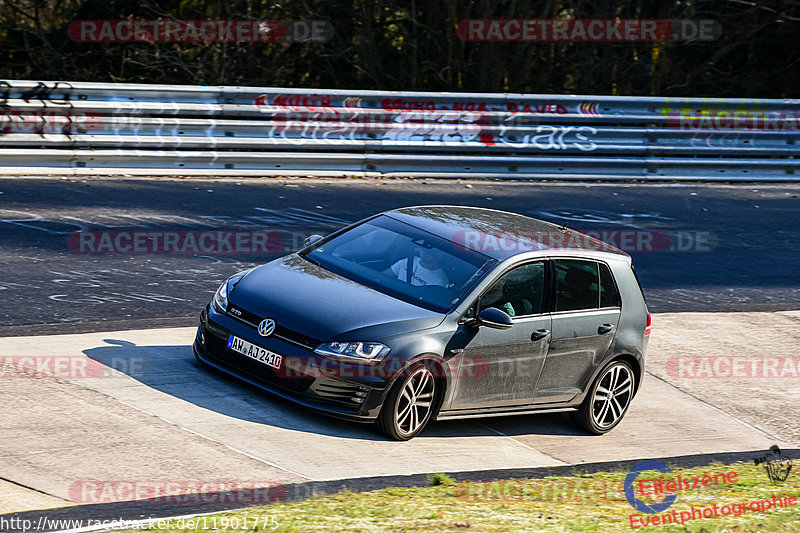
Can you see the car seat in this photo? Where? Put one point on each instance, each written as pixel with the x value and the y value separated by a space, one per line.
pixel 576 292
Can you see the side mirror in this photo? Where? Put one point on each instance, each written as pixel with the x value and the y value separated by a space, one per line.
pixel 492 317
pixel 311 239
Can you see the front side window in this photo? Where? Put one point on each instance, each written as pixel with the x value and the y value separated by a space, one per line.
pixel 577 285
pixel 518 292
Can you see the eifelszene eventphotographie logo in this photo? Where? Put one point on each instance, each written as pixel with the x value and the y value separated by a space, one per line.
pixel 630 494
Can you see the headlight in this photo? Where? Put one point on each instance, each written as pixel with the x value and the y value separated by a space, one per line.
pixel 359 352
pixel 220 300
pixel 221 297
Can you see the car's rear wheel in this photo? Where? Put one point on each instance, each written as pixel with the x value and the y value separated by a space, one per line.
pixel 409 405
pixel 608 399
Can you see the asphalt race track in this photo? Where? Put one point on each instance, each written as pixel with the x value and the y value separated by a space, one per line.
pixel 719 264
pixel 716 248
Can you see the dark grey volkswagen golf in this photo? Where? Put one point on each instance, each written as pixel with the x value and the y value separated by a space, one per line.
pixel 438 312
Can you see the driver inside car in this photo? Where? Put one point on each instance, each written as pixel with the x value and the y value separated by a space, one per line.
pixel 426 269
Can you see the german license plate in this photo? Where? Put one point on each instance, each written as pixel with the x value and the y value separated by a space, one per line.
pixel 254 352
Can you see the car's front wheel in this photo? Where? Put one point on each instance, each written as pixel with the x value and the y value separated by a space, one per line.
pixel 409 405
pixel 608 399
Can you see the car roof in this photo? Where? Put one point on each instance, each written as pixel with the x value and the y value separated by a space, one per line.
pixel 497 234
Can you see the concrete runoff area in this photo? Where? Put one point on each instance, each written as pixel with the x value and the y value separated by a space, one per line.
pixel 747 364
pixel 147 413
pixel 18 498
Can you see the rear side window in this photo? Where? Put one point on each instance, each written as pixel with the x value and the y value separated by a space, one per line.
pixel 577 285
pixel 609 296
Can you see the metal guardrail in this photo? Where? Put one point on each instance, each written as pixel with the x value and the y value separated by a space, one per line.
pixel 95 128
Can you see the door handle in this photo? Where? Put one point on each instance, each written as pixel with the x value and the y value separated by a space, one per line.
pixel 540 334
pixel 605 328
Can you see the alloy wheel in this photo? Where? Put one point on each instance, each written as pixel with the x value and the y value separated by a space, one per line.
pixel 612 395
pixel 415 401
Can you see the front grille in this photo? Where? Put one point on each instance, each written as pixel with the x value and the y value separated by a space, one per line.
pixel 283 333
pixel 296 338
pixel 218 351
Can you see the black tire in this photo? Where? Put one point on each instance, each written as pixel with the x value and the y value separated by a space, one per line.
pixel 600 411
pixel 409 405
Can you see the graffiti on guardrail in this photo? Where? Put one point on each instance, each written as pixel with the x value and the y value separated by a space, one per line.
pixel 5 93
pixel 434 127
pixel 166 127
pixel 541 108
pixel 728 139
pixel 44 91
pixel 295 102
pixel 561 138
pixel 330 103
pixel 297 118
pixel 589 109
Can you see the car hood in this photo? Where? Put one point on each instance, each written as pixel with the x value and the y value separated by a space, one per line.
pixel 317 303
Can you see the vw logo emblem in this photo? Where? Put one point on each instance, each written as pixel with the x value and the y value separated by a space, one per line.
pixel 266 327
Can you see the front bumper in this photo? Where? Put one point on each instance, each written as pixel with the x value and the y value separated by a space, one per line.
pixel 305 378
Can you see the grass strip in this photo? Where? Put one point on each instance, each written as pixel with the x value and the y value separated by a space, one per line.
pixel 591 502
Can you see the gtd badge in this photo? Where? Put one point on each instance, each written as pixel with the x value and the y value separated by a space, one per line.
pixel 266 327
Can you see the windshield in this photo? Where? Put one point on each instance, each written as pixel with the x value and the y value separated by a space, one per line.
pixel 403 261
